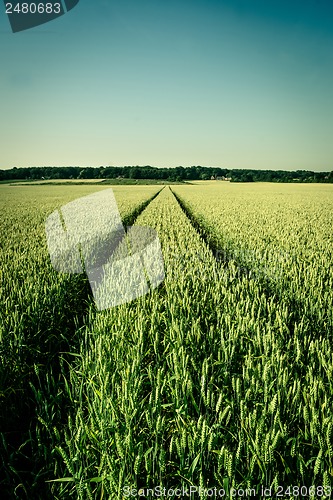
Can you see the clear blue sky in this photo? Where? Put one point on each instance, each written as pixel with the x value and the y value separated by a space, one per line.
pixel 230 83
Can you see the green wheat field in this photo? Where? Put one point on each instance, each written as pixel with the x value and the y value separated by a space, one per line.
pixel 220 377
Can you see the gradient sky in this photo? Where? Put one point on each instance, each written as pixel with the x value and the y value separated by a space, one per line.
pixel 230 83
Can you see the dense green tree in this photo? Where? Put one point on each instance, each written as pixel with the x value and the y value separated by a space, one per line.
pixel 175 174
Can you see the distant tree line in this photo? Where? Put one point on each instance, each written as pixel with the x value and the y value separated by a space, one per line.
pixel 168 174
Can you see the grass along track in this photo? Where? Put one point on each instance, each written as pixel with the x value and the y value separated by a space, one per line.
pixel 282 234
pixel 42 314
pixel 313 319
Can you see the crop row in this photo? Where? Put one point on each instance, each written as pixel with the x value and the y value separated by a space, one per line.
pixel 211 379
pixel 202 382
